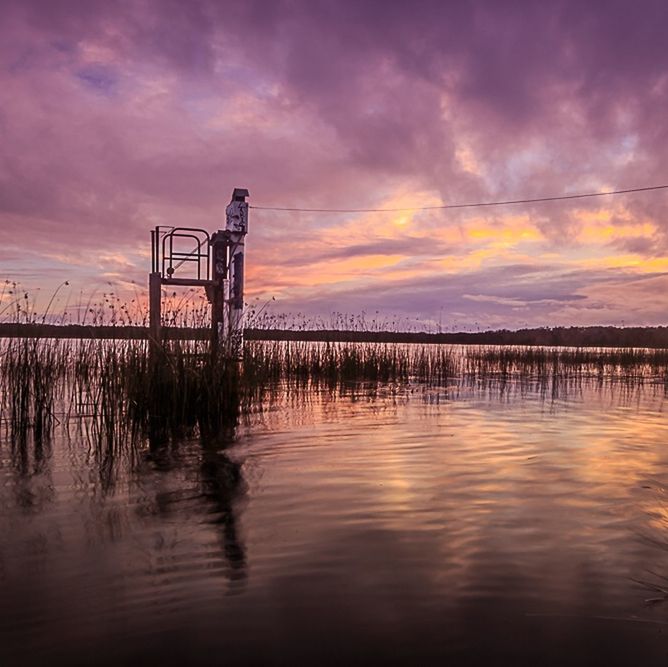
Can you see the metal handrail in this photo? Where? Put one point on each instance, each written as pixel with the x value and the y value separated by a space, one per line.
pixel 172 259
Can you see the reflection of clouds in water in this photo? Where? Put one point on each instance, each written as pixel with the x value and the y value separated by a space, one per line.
pixel 403 600
pixel 400 522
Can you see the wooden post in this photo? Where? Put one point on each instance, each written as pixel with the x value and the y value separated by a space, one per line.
pixel 217 305
pixel 219 245
pixel 155 327
pixel 237 227
pixel 156 426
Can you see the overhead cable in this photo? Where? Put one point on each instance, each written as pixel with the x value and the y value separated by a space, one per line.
pixel 452 206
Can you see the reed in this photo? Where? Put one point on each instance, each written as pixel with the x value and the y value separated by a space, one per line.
pixel 122 391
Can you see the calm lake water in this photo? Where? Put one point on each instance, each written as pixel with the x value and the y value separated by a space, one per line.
pixel 402 526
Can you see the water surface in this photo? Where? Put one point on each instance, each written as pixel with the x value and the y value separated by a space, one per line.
pixel 408 525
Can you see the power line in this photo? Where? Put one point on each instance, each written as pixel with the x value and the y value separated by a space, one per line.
pixel 451 206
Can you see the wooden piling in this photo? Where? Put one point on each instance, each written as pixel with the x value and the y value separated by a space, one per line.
pixel 155 315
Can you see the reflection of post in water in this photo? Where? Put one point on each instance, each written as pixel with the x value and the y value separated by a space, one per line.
pixel 221 480
pixel 223 485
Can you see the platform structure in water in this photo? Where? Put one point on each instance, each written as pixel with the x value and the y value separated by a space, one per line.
pixel 191 257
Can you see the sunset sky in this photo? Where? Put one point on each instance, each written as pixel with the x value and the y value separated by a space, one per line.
pixel 116 116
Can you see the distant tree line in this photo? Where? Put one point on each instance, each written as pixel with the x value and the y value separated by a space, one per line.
pixel 655 337
pixel 651 337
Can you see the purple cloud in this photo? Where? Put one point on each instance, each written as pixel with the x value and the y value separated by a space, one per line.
pixel 117 116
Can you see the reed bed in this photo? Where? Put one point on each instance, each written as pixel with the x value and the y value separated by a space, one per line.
pixel 635 365
pixel 120 391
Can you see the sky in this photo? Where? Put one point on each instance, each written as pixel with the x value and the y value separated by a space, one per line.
pixel 120 115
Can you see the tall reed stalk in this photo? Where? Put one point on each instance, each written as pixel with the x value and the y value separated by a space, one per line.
pixel 124 392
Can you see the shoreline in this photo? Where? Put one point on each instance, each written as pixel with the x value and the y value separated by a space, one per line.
pixel 593 336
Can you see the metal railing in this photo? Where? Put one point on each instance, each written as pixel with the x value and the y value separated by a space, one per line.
pixel 166 258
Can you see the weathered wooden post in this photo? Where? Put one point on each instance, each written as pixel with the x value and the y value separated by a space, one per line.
pixel 227 276
pixel 154 294
pixel 218 292
pixel 156 425
pixel 236 228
